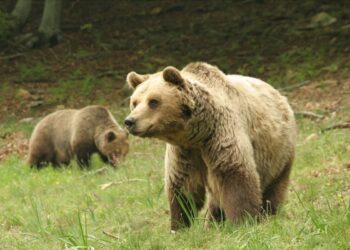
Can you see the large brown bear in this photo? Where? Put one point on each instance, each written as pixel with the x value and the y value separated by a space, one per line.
pixel 67 133
pixel 231 135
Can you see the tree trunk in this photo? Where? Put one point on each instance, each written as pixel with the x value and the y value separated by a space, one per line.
pixel 50 22
pixel 21 11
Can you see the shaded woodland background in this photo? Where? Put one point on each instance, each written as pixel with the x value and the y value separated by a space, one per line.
pixel 282 42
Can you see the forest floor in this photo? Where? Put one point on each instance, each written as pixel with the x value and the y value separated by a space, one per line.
pixel 306 57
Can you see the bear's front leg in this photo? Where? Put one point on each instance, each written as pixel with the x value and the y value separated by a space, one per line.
pixel 184 186
pixel 185 204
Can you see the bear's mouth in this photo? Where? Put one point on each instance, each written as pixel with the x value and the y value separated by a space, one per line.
pixel 113 160
pixel 146 133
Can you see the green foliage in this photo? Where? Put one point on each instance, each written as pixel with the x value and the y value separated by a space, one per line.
pixel 60 93
pixel 87 84
pixel 4 88
pixel 6 27
pixel 87 27
pixel 67 90
pixel 36 72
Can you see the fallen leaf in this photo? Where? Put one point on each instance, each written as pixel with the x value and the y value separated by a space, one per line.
pixel 107 185
pixel 313 136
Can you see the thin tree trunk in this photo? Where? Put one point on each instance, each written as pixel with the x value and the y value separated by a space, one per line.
pixel 50 22
pixel 21 11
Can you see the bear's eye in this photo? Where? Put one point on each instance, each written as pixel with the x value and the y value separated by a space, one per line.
pixel 153 103
pixel 134 104
pixel 110 136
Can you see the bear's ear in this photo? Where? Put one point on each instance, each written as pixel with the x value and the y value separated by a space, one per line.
pixel 110 136
pixel 134 79
pixel 173 75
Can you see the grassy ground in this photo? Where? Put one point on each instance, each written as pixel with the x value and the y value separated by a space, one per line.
pixel 127 208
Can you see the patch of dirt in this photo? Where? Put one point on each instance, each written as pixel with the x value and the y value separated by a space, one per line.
pixel 14 143
pixel 327 96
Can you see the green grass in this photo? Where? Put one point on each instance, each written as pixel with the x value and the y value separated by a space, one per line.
pixel 36 72
pixel 66 208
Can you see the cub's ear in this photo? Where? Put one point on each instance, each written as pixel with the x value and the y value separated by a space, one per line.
pixel 110 136
pixel 134 79
pixel 173 75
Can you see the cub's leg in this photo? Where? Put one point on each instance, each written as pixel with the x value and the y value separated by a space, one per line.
pixel 184 185
pixel 62 158
pixel 39 155
pixel 35 161
pixel 275 193
pixel 82 150
pixel 83 159
pixel 83 154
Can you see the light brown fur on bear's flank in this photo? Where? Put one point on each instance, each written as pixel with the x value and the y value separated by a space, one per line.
pixel 65 134
pixel 231 135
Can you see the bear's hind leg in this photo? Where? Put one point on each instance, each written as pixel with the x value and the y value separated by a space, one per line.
pixel 240 195
pixel 275 193
pixel 215 213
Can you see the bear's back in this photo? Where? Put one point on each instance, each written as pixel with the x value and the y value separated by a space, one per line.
pixel 55 125
pixel 50 134
pixel 271 125
pixel 91 117
pixel 89 120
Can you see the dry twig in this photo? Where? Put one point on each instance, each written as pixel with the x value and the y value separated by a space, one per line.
pixel 337 126
pixel 291 87
pixel 109 184
pixel 308 114
pixel 111 235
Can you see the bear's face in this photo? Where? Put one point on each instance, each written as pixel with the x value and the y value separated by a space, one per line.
pixel 160 105
pixel 113 144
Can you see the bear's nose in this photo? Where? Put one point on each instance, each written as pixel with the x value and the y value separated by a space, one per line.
pixel 129 122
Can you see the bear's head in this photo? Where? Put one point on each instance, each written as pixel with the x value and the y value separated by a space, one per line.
pixel 113 144
pixel 160 104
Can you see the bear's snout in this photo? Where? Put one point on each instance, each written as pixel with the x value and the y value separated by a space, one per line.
pixel 130 123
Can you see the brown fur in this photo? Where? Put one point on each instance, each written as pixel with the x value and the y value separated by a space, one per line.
pixel 231 135
pixel 67 133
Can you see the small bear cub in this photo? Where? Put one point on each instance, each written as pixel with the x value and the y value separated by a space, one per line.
pixel 69 133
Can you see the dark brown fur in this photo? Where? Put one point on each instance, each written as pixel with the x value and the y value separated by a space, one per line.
pixel 70 133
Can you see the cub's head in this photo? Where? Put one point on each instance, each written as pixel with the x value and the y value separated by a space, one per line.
pixel 113 144
pixel 160 104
